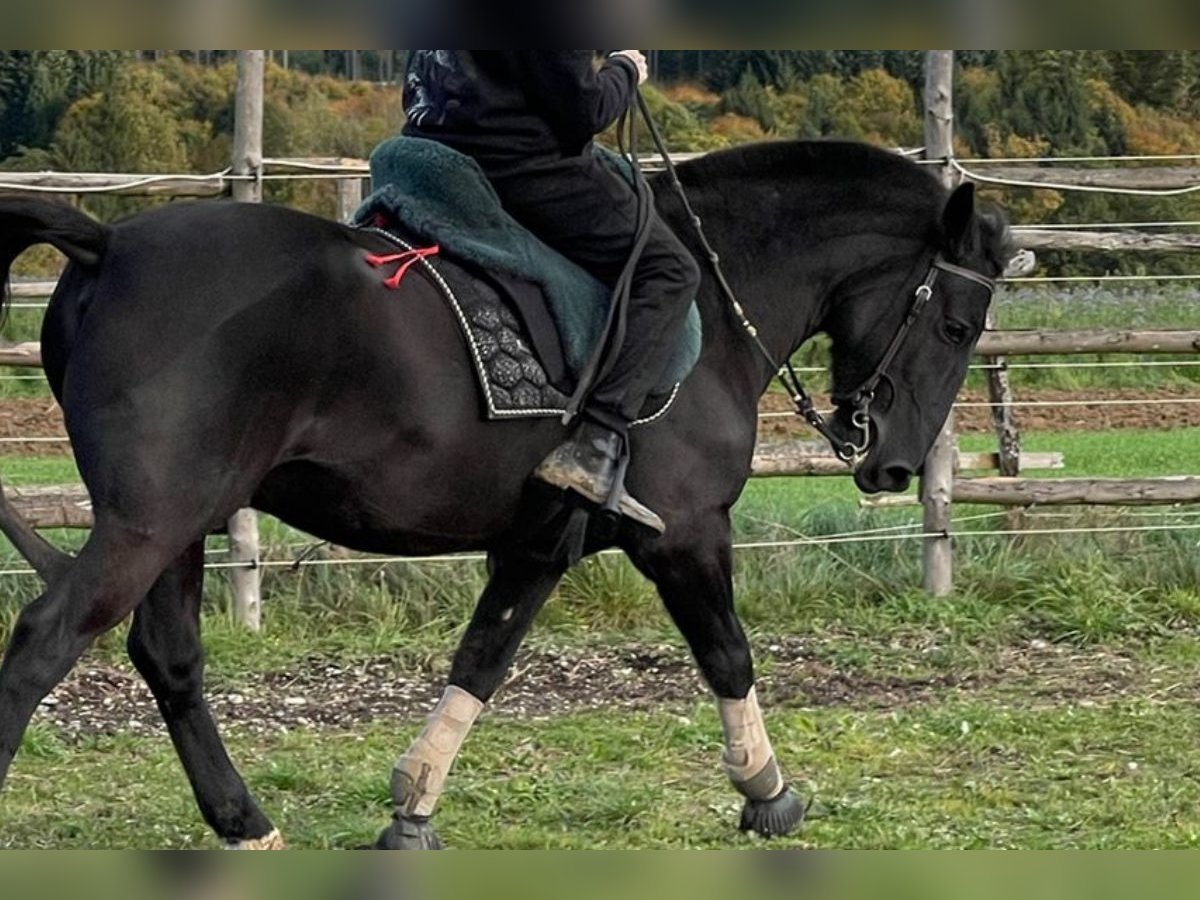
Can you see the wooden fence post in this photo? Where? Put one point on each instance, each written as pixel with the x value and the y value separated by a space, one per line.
pixel 937 485
pixel 349 198
pixel 245 578
pixel 248 126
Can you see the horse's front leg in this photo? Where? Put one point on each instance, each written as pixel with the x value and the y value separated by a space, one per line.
pixel 693 570
pixel 518 588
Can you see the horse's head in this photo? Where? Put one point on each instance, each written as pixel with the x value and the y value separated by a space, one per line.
pixel 903 335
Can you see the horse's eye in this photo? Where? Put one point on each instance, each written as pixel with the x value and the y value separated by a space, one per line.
pixel 957 332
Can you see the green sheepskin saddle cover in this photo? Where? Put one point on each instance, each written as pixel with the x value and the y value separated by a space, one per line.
pixel 443 196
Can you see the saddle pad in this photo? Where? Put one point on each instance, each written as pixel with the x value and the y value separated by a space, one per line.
pixel 442 196
pixel 512 379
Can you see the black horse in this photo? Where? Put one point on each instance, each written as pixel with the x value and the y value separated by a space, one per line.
pixel 214 356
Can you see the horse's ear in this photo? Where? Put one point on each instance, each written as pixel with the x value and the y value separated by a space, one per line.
pixel 958 217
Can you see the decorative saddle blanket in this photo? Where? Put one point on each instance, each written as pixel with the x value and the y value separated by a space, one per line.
pixel 528 310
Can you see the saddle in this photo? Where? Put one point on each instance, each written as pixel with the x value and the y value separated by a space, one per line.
pixel 531 318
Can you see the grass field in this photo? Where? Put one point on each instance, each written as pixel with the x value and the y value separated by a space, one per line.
pixel 1048 703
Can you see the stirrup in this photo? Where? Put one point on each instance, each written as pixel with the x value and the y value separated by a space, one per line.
pixel 621 504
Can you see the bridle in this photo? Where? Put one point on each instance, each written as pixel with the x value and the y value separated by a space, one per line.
pixel 848 451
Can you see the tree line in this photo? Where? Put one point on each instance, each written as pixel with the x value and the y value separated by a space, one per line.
pixel 1043 95
pixel 159 111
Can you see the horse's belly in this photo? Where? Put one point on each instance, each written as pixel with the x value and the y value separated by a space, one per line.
pixel 419 513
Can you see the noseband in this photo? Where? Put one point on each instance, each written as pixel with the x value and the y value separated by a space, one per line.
pixel 848 451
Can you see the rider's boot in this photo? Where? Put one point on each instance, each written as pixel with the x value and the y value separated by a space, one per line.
pixel 587 463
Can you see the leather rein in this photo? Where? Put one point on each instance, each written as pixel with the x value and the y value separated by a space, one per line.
pixel 848 451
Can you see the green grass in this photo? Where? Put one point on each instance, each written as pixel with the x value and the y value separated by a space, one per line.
pixel 1124 453
pixel 971 772
pixel 1164 306
pixel 1005 763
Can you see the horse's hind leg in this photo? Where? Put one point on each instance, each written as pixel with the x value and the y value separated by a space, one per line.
pixel 518 588
pixel 111 575
pixel 164 644
pixel 693 570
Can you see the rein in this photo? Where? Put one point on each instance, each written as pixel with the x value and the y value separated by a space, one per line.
pixel 847 451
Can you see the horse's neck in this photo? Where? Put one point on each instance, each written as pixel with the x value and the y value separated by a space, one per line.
pixel 783 286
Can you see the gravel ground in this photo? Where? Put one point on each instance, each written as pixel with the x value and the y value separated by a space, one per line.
pixel 327 694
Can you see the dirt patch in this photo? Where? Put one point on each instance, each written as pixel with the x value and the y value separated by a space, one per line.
pixel 32 417
pixel 328 694
pixel 38 417
pixel 1159 414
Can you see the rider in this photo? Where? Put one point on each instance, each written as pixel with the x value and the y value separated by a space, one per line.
pixel 529 117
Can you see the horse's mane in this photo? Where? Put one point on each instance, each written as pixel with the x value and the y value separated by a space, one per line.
pixel 838 160
pixel 843 162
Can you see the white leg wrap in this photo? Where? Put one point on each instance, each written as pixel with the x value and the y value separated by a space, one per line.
pixel 420 774
pixel 749 759
pixel 273 841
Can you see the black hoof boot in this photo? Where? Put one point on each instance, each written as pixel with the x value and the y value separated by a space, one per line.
pixel 409 833
pixel 774 818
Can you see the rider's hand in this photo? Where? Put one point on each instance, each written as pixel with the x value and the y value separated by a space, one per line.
pixel 639 60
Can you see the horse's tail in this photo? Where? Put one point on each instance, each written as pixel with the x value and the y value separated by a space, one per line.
pixel 25 222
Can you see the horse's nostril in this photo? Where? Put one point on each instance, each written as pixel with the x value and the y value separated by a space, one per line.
pixel 897 478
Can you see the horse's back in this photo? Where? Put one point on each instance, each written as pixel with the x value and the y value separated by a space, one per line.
pixel 225 353
pixel 220 340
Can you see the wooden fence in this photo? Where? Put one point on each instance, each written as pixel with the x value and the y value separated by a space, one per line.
pixel 68 507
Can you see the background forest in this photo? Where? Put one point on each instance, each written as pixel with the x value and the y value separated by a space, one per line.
pixel 160 111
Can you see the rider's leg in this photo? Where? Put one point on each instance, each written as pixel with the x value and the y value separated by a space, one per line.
pixel 664 285
pixel 586 212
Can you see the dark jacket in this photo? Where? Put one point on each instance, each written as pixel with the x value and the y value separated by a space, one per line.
pixel 513 108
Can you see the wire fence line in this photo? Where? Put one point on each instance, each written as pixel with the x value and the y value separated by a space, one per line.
pixel 1103 226
pixel 1072 160
pixel 342 169
pixel 982 367
pixel 750 546
pixel 979 178
pixel 1084 279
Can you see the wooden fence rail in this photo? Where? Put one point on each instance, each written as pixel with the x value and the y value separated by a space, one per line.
pixel 1128 241
pixel 1171 490
pixel 1137 178
pixel 992 344
pixel 1104 340
pixel 1078 491
pixel 68 506
pixel 1124 178
pixel 113 184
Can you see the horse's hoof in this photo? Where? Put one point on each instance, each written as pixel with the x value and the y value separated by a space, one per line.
pixel 409 833
pixel 273 841
pixel 774 818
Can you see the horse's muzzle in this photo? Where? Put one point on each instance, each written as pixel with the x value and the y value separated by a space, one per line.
pixel 894 478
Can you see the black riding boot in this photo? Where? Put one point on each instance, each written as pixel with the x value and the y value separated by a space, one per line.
pixel 587 463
